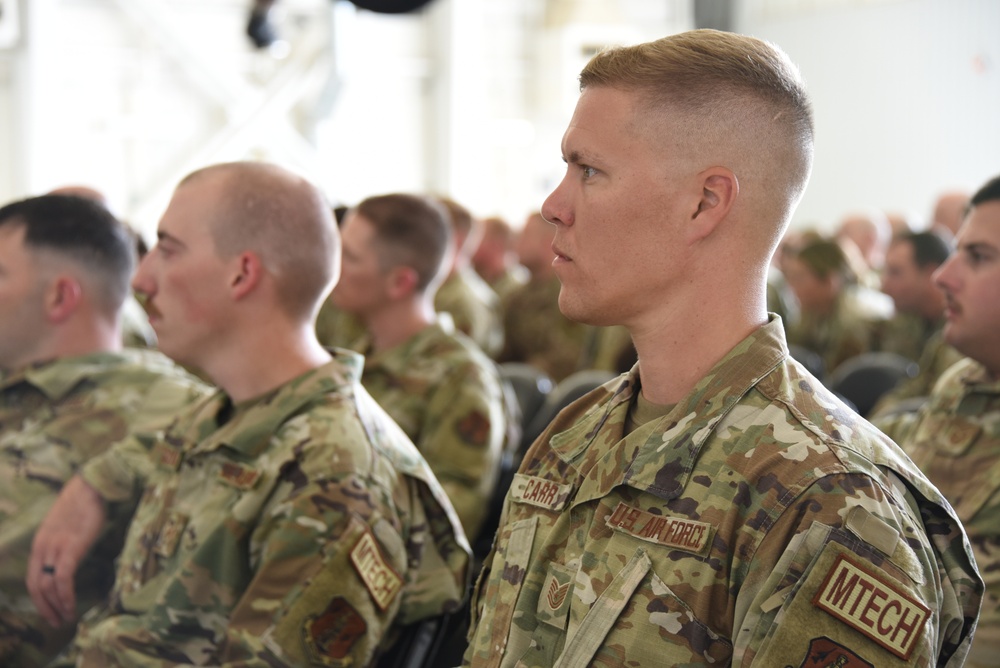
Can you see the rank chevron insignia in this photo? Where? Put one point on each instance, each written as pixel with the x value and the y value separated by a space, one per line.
pixel 556 594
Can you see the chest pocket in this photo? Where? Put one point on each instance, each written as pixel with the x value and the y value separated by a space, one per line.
pixel 504 587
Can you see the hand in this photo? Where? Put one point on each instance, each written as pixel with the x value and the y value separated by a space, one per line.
pixel 62 541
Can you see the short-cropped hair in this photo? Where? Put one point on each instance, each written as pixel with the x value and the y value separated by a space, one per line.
pixel 81 231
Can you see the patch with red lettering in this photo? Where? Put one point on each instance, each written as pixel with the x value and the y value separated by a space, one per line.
pixel 380 578
pixel 825 653
pixel 332 633
pixel 238 476
pixel 679 533
pixel 539 492
pixel 872 605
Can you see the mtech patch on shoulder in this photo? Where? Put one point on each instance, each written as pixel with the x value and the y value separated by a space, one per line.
pixel 381 580
pixel 872 605
pixel 676 532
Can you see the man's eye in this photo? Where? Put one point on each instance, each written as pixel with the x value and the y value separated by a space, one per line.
pixel 588 172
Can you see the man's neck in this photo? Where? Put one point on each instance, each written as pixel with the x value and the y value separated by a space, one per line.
pixel 678 349
pixel 399 322
pixel 255 365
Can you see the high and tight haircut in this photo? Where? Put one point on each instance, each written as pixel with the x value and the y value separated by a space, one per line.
pixel 990 192
pixel 744 85
pixel 930 249
pixel 84 232
pixel 285 220
pixel 411 231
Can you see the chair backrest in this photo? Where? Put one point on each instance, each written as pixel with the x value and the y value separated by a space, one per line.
pixel 810 359
pixel 530 384
pixel 865 378
pixel 418 645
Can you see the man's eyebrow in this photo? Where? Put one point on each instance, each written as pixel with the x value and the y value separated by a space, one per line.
pixel 162 236
pixel 979 246
pixel 577 158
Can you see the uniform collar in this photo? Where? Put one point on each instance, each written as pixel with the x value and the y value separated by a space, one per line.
pixel 57 378
pixel 254 422
pixel 399 360
pixel 666 458
pixel 976 380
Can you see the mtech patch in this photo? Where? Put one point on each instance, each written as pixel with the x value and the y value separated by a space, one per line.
pixel 873 605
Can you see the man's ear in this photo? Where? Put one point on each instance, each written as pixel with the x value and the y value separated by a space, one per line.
pixel 401 281
pixel 719 190
pixel 248 271
pixel 62 298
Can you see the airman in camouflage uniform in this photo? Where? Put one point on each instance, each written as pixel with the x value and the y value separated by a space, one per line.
pixel 286 521
pixel 535 332
pixel 908 279
pixel 446 396
pixel 435 382
pixel 757 520
pixel 67 391
pixel 316 470
pixel 836 319
pixel 714 506
pixel 955 439
pixel 54 417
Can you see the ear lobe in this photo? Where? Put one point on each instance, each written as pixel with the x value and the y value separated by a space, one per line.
pixel 249 271
pixel 720 188
pixel 63 298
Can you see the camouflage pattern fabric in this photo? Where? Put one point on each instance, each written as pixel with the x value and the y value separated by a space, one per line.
pixel 936 358
pixel 54 417
pixel 849 330
pixel 956 442
pixel 338 329
pixel 446 395
pixel 760 522
pixel 537 333
pixel 293 530
pixel 474 307
pixel 906 334
pixel 136 330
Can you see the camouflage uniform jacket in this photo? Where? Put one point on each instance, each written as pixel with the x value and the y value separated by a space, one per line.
pixel 936 358
pixel 537 333
pixel 956 442
pixel 55 416
pixel 474 307
pixel 336 328
pixel 760 521
pixel 293 534
pixel 446 395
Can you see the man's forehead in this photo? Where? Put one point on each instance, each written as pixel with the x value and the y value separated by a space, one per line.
pixel 982 226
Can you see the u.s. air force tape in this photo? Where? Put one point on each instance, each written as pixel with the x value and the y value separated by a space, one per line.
pixel 677 532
